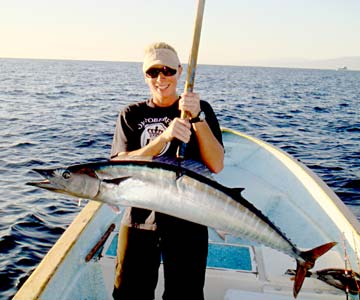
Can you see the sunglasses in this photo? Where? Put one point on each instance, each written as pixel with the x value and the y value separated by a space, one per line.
pixel 166 71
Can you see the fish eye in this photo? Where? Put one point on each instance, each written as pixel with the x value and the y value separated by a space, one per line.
pixel 66 174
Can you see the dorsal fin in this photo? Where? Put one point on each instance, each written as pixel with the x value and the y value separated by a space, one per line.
pixel 116 181
pixel 235 192
pixel 183 165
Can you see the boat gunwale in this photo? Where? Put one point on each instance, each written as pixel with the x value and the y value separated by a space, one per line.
pixel 38 280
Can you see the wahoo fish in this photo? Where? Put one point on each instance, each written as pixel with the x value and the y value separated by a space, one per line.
pixel 181 192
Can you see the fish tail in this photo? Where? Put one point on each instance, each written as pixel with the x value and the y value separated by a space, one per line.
pixel 302 266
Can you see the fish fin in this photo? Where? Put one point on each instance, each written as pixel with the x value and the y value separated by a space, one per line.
pixel 301 270
pixel 185 164
pixel 116 181
pixel 235 192
pixel 221 234
pixel 309 258
pixel 115 209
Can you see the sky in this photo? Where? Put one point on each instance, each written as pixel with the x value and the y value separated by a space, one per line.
pixel 234 32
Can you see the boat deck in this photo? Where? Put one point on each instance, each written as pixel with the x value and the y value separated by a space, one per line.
pixel 236 270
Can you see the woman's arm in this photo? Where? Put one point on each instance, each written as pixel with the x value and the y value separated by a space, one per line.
pixel 211 151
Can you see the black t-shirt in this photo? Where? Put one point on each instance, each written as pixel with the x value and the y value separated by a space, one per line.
pixel 142 122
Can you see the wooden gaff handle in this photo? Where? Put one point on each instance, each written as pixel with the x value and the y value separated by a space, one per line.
pixel 190 76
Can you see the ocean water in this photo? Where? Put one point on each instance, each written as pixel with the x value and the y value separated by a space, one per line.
pixel 55 113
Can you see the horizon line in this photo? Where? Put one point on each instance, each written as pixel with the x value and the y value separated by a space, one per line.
pixel 264 65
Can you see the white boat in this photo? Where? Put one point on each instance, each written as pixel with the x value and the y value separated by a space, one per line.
pixel 291 195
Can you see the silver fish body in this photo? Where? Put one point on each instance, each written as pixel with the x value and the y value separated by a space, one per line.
pixel 189 198
pixel 179 192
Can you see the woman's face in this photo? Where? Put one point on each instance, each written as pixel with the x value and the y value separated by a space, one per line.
pixel 163 88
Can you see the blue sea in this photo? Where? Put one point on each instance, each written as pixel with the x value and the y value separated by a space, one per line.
pixel 55 113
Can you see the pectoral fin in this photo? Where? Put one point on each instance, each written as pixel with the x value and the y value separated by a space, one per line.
pixel 116 181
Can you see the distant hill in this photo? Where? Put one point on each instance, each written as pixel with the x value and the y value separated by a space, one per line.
pixel 350 62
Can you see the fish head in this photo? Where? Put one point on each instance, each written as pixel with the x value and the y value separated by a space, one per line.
pixel 77 182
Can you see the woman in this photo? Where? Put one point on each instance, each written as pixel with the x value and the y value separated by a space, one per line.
pixel 154 128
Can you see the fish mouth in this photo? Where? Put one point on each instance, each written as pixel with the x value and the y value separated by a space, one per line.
pixel 46 183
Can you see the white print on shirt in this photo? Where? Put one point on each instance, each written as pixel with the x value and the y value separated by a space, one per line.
pixel 146 121
pixel 151 132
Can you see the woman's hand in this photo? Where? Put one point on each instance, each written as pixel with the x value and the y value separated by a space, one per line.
pixel 179 129
pixel 190 103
